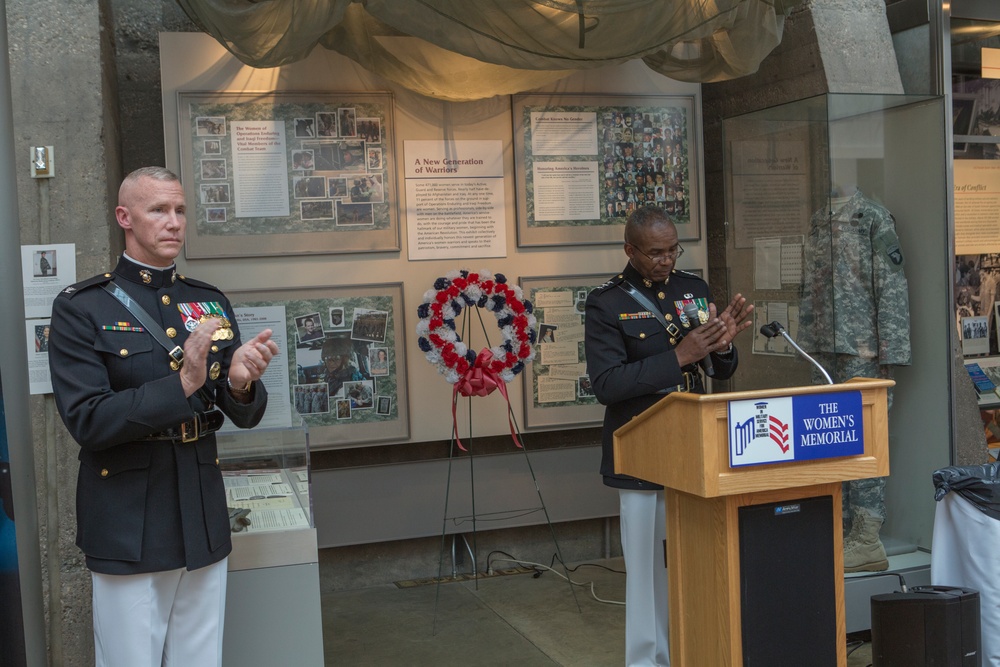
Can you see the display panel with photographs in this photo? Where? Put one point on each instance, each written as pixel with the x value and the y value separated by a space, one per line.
pixel 975 115
pixel 346 360
pixel 288 173
pixel 557 389
pixel 977 278
pixel 585 162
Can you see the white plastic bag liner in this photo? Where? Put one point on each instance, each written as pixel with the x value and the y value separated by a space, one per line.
pixel 965 552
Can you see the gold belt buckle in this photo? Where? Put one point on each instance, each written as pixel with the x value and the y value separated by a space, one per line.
pixel 189 430
pixel 688 383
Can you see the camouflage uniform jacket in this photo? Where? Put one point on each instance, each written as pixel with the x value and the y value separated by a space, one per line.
pixel 854 299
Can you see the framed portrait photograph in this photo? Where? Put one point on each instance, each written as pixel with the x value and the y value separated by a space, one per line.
pixel 557 389
pixel 345 360
pixel 584 162
pixel 975 335
pixel 281 165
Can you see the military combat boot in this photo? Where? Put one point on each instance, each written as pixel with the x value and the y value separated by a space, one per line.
pixel 863 550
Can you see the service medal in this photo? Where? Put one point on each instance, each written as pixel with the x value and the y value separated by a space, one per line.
pixel 701 303
pixel 195 313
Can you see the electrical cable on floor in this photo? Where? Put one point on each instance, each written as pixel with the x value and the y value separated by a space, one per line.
pixel 854 646
pixel 555 557
pixel 510 558
pixel 540 567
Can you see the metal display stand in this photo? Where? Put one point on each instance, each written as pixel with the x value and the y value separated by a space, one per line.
pixel 475 516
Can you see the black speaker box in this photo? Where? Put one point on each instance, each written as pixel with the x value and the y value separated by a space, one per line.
pixel 787 586
pixel 929 626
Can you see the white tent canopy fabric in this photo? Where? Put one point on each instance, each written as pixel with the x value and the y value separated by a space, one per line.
pixel 472 49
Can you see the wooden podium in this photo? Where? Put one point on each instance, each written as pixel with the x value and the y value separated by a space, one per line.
pixel 682 442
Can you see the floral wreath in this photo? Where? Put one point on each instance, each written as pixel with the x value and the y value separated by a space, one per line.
pixel 444 348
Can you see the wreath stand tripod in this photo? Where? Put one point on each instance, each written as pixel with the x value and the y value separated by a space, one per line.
pixel 475 517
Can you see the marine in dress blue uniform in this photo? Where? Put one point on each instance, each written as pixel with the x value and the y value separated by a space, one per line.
pixel 633 361
pixel 151 506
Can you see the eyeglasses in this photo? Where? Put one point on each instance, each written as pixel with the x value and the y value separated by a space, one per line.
pixel 660 259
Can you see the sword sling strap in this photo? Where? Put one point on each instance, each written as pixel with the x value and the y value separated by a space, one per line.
pixel 643 301
pixel 176 352
pixel 690 377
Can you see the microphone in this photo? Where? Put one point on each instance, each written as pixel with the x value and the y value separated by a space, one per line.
pixel 691 311
pixel 775 329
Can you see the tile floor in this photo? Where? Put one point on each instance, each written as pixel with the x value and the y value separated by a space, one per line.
pixel 515 619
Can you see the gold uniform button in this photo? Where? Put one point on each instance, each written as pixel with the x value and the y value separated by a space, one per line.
pixel 104 472
pixel 673 341
pixel 668 317
pixel 165 299
pixel 662 295
pixel 171 332
pixel 216 461
pixel 123 352
pixel 642 334
pixel 174 366
pixel 215 348
pixel 107 275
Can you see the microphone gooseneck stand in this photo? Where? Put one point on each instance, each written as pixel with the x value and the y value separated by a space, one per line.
pixel 776 329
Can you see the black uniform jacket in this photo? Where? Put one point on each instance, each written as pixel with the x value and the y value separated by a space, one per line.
pixel 630 356
pixel 141 505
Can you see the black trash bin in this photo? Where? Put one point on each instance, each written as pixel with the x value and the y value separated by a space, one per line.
pixel 965 550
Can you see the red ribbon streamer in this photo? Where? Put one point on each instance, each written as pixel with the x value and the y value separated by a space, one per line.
pixel 480 380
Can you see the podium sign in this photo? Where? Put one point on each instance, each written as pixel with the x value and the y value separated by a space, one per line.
pixel 795 428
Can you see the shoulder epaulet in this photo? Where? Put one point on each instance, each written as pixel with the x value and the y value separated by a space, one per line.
pixel 198 283
pixel 614 282
pixel 76 288
pixel 687 274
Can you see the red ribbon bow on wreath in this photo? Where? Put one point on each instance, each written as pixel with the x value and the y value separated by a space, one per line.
pixel 480 380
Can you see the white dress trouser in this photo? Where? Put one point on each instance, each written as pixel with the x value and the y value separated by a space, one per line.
pixel 644 527
pixel 160 619
pixel 965 552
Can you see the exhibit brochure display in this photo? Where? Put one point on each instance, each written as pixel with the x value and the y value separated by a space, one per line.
pixel 272 601
pixel 754 540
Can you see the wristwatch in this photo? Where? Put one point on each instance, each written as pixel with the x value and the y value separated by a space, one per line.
pixel 241 390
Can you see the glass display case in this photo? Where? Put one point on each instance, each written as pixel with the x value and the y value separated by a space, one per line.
pixel 837 226
pixel 266 471
pixel 825 199
pixel 274 565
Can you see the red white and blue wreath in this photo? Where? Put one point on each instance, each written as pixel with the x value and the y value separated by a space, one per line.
pixel 441 343
pixel 476 374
